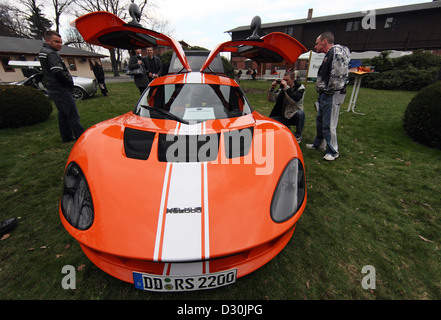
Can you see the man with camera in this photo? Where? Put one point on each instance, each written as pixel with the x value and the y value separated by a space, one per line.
pixel 289 103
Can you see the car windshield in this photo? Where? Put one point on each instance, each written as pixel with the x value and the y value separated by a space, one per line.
pixel 192 102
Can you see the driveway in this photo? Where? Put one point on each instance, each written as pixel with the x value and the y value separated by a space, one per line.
pixel 121 78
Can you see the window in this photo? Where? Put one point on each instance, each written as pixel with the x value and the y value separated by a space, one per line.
pixel 352 25
pixel 71 64
pixel 391 22
pixel 193 102
pixel 6 67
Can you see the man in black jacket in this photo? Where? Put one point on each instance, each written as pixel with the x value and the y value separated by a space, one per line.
pixel 152 64
pixel 59 84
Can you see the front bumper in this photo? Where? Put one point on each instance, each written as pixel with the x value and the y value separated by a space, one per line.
pixel 245 262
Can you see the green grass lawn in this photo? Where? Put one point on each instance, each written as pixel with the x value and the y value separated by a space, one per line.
pixel 378 204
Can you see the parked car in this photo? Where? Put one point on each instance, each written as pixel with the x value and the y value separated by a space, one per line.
pixel 192 189
pixel 83 87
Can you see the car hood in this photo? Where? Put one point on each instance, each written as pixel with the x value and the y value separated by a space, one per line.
pixel 181 211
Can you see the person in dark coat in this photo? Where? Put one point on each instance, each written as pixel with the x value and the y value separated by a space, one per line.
pixel 136 62
pixel 152 64
pixel 60 85
pixel 99 75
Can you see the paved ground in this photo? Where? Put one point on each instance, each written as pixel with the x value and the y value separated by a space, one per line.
pixel 122 78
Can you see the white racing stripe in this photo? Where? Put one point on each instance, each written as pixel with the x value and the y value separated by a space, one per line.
pixel 162 211
pixel 195 77
pixel 183 236
pixel 182 231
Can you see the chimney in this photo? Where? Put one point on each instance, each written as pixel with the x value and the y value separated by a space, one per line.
pixel 309 18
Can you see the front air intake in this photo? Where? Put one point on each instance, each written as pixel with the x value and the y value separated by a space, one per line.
pixel 138 143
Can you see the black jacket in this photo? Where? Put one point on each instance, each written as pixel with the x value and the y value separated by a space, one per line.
pixel 295 93
pixel 98 72
pixel 54 70
pixel 140 79
pixel 152 65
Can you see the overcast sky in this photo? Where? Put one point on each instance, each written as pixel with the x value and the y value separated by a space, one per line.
pixel 203 23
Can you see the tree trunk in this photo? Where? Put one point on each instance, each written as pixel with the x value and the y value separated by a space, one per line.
pixel 114 62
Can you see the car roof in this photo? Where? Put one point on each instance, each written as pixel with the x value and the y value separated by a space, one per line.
pixel 196 58
pixel 194 78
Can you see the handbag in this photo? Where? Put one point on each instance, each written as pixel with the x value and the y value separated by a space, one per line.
pixel 139 70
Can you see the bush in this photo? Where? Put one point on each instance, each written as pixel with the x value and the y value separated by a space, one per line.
pixel 22 106
pixel 411 72
pixel 422 117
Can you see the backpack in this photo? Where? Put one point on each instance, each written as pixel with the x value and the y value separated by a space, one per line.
pixel 340 68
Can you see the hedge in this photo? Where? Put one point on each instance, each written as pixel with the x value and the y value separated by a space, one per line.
pixel 22 106
pixel 411 72
pixel 422 118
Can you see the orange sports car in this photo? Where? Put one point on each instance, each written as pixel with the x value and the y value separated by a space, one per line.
pixel 192 189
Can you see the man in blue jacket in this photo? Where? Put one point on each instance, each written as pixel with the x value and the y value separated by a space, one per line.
pixel 59 85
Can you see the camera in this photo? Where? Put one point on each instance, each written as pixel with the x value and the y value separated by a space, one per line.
pixel 278 81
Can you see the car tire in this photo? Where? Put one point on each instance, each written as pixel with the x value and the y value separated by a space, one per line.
pixel 78 93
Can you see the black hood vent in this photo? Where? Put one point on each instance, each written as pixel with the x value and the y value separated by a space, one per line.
pixel 138 143
pixel 187 148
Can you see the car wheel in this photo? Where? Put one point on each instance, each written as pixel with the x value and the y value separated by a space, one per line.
pixel 78 93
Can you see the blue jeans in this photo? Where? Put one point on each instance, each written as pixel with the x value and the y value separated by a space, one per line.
pixel 68 117
pixel 323 122
pixel 298 120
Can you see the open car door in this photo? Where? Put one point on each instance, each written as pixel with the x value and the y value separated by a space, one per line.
pixel 107 30
pixel 276 47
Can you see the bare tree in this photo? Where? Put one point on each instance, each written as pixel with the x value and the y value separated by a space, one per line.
pixel 60 7
pixel 118 8
pixel 38 24
pixel 12 22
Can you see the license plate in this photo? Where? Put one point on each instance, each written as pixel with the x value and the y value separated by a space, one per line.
pixel 153 282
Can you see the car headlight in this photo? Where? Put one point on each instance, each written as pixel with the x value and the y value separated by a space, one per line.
pixel 290 192
pixel 76 201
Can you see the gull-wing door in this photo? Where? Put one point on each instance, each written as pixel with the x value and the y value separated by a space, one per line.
pixel 109 31
pixel 275 47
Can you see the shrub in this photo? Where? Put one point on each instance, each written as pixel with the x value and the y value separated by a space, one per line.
pixel 411 72
pixel 422 117
pixel 22 106
pixel 228 68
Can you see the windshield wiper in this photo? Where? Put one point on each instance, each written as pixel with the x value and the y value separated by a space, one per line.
pixel 169 115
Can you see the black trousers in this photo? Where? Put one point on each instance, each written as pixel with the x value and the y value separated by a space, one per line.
pixel 68 117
